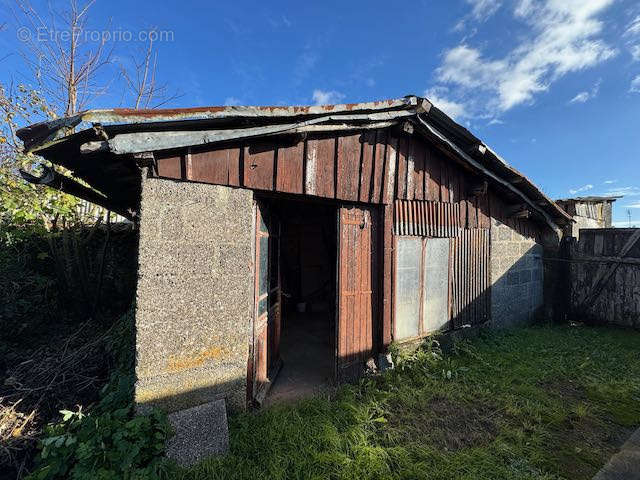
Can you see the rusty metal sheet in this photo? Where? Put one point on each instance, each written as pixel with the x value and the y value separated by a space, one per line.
pixel 470 278
pixel 423 218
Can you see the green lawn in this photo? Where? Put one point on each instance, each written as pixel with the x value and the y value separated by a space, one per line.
pixel 536 403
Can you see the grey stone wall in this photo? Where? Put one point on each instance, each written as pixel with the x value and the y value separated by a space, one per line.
pixel 194 295
pixel 516 276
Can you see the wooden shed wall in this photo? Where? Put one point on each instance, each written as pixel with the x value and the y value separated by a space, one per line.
pixel 424 193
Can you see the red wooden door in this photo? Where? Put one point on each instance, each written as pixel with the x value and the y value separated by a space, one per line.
pixel 265 362
pixel 357 289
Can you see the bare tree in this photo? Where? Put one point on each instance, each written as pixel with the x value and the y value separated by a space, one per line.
pixel 64 57
pixel 141 80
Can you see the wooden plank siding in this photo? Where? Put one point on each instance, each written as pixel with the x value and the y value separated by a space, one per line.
pixel 373 166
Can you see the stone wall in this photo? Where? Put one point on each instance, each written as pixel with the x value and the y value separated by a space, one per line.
pixel 516 276
pixel 194 294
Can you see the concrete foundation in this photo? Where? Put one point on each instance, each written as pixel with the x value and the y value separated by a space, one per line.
pixel 516 276
pixel 194 294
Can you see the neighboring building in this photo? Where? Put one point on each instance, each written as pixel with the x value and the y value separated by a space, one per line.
pixel 587 212
pixel 317 235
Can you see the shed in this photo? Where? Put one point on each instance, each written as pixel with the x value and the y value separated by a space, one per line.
pixel 587 212
pixel 297 243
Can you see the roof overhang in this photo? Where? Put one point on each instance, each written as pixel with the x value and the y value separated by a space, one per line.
pixel 102 152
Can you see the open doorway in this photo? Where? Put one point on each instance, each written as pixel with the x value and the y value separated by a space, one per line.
pixel 307 277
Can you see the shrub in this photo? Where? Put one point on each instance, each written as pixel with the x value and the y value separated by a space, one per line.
pixel 110 441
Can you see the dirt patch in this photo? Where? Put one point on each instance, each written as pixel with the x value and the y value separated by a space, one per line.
pixel 568 391
pixel 447 424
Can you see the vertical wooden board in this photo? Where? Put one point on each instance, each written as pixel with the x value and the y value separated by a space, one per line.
pixel 320 167
pixel 235 166
pixel 472 217
pixel 367 167
pixel 259 165
pixel 348 167
pixel 388 187
pixel 411 169
pixel 170 167
pixel 444 180
pixel 401 173
pixel 418 153
pixel 432 168
pixel 355 290
pixel 454 184
pixel 387 267
pixel 484 218
pixel 378 166
pixel 210 166
pixel 289 169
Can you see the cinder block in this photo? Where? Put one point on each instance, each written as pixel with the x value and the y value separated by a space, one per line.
pixel 200 432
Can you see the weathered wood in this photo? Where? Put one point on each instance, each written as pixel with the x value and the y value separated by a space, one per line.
pixel 379 166
pixel 320 165
pixel 401 174
pixel 387 269
pixel 388 184
pixel 478 188
pixel 348 167
pixel 367 167
pixel 289 171
pixel 259 162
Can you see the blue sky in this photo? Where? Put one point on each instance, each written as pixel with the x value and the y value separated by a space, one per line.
pixel 552 85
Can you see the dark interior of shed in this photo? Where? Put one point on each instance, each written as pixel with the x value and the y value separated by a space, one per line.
pixel 308 277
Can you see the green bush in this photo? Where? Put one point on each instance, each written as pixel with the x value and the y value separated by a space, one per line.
pixel 110 441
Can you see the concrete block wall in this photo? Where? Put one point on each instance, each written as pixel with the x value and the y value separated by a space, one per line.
pixel 516 276
pixel 194 294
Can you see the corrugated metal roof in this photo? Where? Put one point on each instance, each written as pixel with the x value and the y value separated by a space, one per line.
pixel 115 131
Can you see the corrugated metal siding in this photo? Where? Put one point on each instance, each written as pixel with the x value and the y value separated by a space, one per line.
pixel 470 278
pixel 427 219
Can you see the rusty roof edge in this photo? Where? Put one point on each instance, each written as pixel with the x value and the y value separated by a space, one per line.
pixel 434 131
pixel 39 135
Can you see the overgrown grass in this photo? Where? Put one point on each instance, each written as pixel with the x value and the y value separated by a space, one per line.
pixel 537 403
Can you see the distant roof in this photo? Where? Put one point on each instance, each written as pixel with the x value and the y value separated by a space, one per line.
pixel 106 135
pixel 594 199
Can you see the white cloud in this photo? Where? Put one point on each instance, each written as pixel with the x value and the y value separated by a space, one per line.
pixel 609 182
pixel 635 85
pixel 635 52
pixel 495 121
pixel 623 192
pixel 583 188
pixel 563 38
pixel 632 205
pixel 582 97
pixel 481 11
pixel 231 101
pixel 455 110
pixel 633 28
pixel 323 97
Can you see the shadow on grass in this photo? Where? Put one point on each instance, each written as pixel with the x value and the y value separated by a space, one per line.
pixel 537 403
